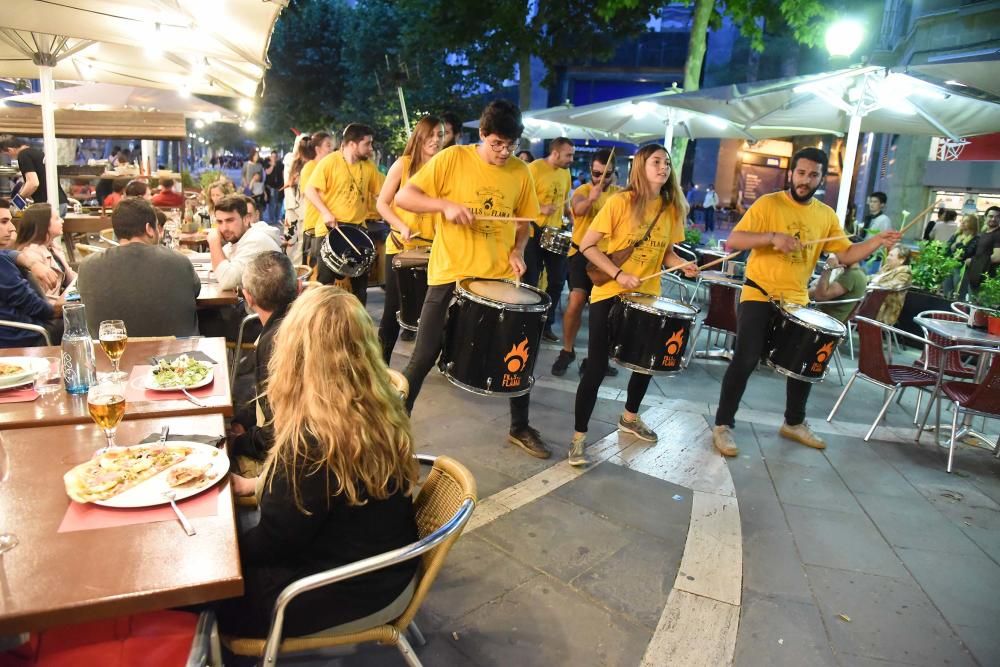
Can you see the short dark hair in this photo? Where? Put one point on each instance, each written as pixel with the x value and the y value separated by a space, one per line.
pixel 451 118
pixel 880 196
pixel 559 141
pixel 991 208
pixel 167 183
pixel 357 132
pixel 270 279
pixel 503 119
pixel 950 215
pixel 136 188
pixel 161 218
pixel 603 156
pixel 118 185
pixel 8 141
pixel 4 202
pixel 250 203
pixel 130 217
pixel 34 225
pixel 812 154
pixel 233 204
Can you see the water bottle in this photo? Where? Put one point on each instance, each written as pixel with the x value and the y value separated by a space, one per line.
pixel 79 370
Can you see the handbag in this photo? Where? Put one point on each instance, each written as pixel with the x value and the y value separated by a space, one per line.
pixel 619 257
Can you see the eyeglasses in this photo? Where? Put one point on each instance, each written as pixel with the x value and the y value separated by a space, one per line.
pixel 600 174
pixel 499 146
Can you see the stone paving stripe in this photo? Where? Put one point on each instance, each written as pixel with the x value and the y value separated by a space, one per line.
pixel 694 631
pixel 712 565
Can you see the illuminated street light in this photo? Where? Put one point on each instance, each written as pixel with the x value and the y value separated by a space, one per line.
pixel 843 37
pixel 245 105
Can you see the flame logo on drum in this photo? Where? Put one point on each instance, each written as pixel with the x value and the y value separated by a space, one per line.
pixel 675 342
pixel 823 353
pixel 517 357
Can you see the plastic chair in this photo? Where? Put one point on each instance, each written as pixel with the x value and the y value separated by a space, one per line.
pixel 873 367
pixel 443 507
pixel 40 330
pixel 969 398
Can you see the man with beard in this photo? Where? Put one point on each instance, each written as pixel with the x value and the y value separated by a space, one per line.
pixel 343 188
pixel 236 239
pixel 552 185
pixel 986 258
pixel 780 230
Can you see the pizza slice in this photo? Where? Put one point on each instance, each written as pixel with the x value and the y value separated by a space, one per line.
pixel 118 470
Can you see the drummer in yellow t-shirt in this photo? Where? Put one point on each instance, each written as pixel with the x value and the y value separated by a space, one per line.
pixel 409 230
pixel 779 230
pixel 649 215
pixel 552 185
pixel 587 202
pixel 464 184
pixel 320 145
pixel 341 189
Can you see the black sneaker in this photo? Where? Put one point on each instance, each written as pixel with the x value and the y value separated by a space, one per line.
pixel 406 334
pixel 550 335
pixel 562 362
pixel 530 441
pixel 609 372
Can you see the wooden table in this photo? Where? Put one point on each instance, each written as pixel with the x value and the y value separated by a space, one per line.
pixel 53 578
pixel 195 240
pixel 60 408
pixel 81 224
pixel 211 295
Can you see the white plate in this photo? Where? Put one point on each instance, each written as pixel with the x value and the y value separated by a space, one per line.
pixel 207 380
pixel 150 492
pixel 28 371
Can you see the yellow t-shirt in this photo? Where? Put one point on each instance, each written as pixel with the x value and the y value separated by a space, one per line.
pixel 346 189
pixel 311 218
pixel 373 213
pixel 615 221
pixel 482 249
pixel 786 275
pixel 581 223
pixel 552 186
pixel 422 224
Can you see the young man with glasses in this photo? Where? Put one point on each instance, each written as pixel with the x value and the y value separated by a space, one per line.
pixel 587 200
pixel 468 185
pixel 552 186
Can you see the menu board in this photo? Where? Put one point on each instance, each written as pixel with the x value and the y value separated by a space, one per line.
pixel 759 180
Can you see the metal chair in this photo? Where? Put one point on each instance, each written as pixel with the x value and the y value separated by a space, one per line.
pixel 40 330
pixel 721 318
pixel 443 507
pixel 970 398
pixel 870 304
pixel 673 281
pixel 873 367
pixel 239 346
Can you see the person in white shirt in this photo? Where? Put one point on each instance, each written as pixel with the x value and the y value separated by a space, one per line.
pixel 710 203
pixel 243 239
pixel 945 228
pixel 877 220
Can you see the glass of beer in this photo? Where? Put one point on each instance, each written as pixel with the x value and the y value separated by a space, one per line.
pixel 106 402
pixel 113 337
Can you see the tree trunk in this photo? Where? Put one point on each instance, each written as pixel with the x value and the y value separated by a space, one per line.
pixel 693 66
pixel 524 80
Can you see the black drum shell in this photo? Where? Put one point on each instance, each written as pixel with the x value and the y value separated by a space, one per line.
pixel 645 342
pixel 338 255
pixel 799 351
pixel 492 350
pixel 412 280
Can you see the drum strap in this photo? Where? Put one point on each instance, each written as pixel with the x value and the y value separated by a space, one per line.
pixel 750 283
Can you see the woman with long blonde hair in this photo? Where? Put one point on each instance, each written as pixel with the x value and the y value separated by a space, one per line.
pixel 339 478
pixel 409 230
pixel 648 215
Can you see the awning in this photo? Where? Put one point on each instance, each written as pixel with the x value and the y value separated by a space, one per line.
pixel 27 122
pixel 108 96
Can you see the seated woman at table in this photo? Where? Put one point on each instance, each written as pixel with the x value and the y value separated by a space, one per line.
pixel 117 192
pixel 338 482
pixel 895 274
pixel 40 225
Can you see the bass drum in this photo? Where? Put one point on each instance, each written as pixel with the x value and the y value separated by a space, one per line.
pixel 650 334
pixel 347 251
pixel 411 274
pixel 492 336
pixel 802 342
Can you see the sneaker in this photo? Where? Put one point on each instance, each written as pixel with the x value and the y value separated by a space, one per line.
pixel 530 441
pixel 562 362
pixel 638 428
pixel 577 455
pixel 802 434
pixel 722 438
pixel 550 335
pixel 406 334
pixel 610 372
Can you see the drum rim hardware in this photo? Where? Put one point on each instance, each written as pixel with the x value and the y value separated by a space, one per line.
pixel 461 291
pixel 653 311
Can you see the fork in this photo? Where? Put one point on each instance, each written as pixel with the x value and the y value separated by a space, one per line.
pixel 185 524
pixel 192 398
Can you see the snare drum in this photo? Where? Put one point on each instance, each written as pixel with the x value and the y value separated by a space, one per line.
pixel 341 257
pixel 411 274
pixel 556 240
pixel 802 341
pixel 492 337
pixel 649 334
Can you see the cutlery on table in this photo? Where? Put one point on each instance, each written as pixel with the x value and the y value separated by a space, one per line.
pixel 164 432
pixel 192 398
pixel 188 528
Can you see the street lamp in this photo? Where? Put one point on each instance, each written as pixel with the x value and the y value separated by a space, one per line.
pixel 843 37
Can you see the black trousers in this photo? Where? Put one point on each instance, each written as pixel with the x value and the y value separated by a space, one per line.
pixel 753 323
pixel 388 327
pixel 597 364
pixel 359 285
pixel 535 258
pixel 427 349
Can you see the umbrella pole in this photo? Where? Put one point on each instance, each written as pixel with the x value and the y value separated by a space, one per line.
pixel 847 169
pixel 49 136
pixel 668 132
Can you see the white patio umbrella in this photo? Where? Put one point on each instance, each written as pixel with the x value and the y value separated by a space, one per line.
pixel 109 96
pixel 541 128
pixel 192 46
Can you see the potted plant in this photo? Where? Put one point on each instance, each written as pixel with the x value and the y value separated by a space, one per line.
pixel 988 299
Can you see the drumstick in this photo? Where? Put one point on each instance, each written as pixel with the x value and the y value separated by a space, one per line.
pixel 504 218
pixel 828 238
pixel 693 261
pixel 348 240
pixel 917 218
pixel 608 166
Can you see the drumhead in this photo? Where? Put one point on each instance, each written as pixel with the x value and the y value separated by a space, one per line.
pixel 660 304
pixel 816 319
pixel 503 292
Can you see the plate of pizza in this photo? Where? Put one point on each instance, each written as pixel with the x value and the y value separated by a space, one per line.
pixel 137 476
pixel 15 371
